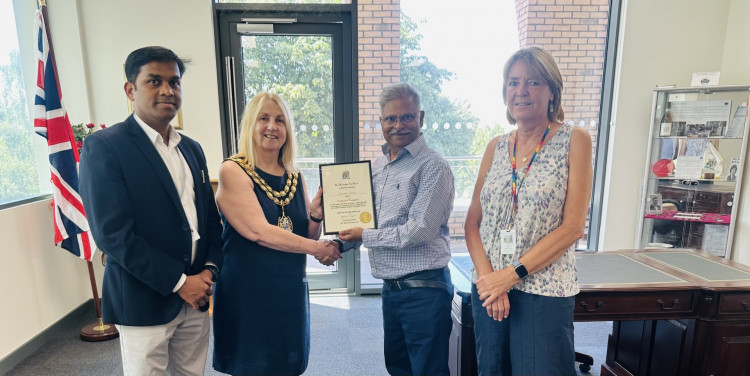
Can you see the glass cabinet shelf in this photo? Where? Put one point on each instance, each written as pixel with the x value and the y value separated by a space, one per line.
pixel 694 165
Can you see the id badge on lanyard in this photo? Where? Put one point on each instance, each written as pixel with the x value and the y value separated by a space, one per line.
pixel 508 241
pixel 508 237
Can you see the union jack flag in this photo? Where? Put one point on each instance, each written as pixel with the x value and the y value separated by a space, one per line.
pixel 51 122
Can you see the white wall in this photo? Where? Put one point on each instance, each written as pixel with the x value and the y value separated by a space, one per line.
pixel 663 42
pixel 736 69
pixel 112 29
pixel 41 283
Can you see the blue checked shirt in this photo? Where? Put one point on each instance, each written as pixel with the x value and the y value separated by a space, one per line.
pixel 413 202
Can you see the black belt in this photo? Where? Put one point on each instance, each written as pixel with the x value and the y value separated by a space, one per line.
pixel 420 279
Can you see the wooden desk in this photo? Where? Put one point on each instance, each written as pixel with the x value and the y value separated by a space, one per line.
pixel 675 312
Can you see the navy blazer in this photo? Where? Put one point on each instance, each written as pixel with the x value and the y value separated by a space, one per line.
pixel 137 220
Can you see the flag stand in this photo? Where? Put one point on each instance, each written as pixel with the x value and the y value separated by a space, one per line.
pixel 98 331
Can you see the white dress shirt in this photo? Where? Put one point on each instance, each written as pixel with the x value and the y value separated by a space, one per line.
pixel 181 176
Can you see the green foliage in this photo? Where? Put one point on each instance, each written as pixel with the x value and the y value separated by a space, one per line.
pixel 300 70
pixel 81 131
pixel 443 115
pixel 428 79
pixel 18 179
pixel 12 93
pixel 17 171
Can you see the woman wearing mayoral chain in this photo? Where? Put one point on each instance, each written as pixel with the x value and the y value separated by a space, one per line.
pixel 261 308
pixel 528 210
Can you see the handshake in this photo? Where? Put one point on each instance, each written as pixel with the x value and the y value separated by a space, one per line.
pixel 327 252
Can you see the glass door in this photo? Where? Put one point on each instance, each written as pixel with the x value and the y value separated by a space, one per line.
pixel 303 63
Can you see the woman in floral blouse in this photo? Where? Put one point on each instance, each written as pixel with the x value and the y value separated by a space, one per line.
pixel 528 210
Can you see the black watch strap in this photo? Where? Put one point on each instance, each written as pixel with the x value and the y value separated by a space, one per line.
pixel 316 220
pixel 521 270
pixel 341 245
pixel 214 272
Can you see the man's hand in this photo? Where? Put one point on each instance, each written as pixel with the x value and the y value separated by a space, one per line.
pixel 332 253
pixel 196 290
pixel 353 234
pixel 329 252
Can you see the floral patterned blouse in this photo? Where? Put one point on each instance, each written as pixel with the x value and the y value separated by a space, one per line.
pixel 541 198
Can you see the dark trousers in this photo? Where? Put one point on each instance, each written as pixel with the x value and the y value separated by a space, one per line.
pixel 535 339
pixel 417 327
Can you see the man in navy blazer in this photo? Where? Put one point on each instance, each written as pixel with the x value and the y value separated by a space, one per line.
pixel 151 208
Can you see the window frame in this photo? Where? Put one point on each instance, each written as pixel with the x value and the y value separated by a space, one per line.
pixel 23 30
pixel 603 135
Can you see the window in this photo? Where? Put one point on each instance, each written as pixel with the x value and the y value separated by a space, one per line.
pixel 19 168
pixel 454 56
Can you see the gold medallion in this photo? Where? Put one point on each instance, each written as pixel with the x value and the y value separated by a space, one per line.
pixel 286 223
pixel 365 217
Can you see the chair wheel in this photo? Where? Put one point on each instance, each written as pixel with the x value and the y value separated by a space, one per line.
pixel 584 367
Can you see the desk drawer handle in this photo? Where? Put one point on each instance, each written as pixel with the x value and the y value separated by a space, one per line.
pixel 674 304
pixel 586 306
pixel 745 306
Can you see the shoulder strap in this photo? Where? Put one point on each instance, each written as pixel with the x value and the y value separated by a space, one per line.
pixel 242 162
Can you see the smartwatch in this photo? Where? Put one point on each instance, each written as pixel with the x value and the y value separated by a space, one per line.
pixel 520 269
pixel 341 245
pixel 214 272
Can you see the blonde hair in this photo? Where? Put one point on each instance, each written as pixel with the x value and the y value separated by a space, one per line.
pixel 541 64
pixel 246 146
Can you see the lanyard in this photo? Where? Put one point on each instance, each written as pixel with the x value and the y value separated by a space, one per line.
pixel 528 166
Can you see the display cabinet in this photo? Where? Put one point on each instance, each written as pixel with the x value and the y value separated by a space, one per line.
pixel 694 166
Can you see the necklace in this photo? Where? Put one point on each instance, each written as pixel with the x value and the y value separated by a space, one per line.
pixel 526 157
pixel 515 187
pixel 281 198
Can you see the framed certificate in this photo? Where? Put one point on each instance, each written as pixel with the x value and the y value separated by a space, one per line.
pixel 347 196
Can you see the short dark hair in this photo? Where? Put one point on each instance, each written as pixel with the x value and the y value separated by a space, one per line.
pixel 145 55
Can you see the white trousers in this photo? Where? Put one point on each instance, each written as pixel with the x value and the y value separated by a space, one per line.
pixel 179 346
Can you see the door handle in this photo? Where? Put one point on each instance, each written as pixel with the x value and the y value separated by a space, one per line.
pixel 231 103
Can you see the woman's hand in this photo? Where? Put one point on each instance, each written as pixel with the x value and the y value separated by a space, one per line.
pixel 500 308
pixel 316 205
pixel 327 252
pixel 494 286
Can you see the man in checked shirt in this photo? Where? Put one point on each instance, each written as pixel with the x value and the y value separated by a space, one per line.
pixel 411 248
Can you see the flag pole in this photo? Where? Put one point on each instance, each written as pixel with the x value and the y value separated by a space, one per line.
pixel 98 331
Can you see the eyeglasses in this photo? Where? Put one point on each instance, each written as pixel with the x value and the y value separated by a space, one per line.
pixel 406 119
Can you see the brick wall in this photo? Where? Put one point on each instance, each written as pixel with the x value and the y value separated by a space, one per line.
pixel 574 31
pixel 379 66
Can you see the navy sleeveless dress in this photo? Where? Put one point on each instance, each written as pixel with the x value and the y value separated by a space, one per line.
pixel 261 310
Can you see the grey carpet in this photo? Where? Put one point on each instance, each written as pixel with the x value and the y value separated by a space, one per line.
pixel 347 339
